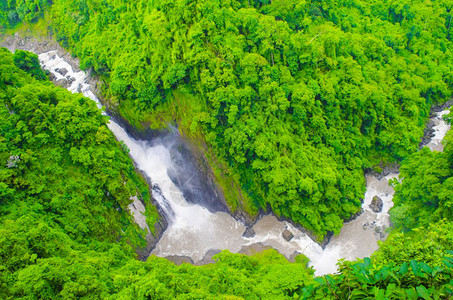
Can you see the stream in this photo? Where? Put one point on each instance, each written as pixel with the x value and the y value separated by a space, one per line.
pixel 193 230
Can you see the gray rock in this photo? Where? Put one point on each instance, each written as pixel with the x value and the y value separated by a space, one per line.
pixel 52 77
pixel 179 259
pixel 254 248
pixel 376 204
pixel 292 257
pixel 287 235
pixel 356 215
pixel 428 133
pixel 62 71
pixel 63 83
pixel 249 233
pixel 207 259
pixel 70 79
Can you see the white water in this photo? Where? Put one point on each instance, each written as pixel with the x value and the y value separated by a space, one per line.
pixel 193 230
pixel 440 129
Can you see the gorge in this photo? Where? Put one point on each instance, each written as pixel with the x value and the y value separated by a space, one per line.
pixel 193 230
pixel 230 149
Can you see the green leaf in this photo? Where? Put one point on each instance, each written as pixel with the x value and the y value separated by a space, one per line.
pixel 437 270
pixel 426 268
pixel 423 292
pixel 358 294
pixel 403 269
pixel 448 262
pixel 414 266
pixel 380 294
pixel 390 288
pixel 367 261
pixel 411 293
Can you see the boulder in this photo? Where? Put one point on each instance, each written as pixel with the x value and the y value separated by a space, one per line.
pixel 63 83
pixel 70 79
pixel 292 257
pixel 207 259
pixel 62 71
pixel 287 235
pixel 254 248
pixel 52 77
pixel 249 233
pixel 179 259
pixel 376 204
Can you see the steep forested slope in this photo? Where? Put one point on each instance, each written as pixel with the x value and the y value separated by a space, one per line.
pixel 425 196
pixel 65 182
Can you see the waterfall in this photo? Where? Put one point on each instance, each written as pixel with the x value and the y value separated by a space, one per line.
pixel 193 230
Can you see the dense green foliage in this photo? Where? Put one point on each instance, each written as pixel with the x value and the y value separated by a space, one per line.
pixel 13 12
pixel 416 261
pixel 425 196
pixel 297 97
pixel 61 159
pixel 29 62
pixel 418 265
pixel 64 178
pixel 65 182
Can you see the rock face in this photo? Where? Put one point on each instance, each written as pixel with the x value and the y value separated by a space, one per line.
pixel 287 235
pixel 385 170
pixel 376 204
pixel 38 46
pixel 191 175
pixel 249 233
pixel 137 210
pixel 70 79
pixel 428 133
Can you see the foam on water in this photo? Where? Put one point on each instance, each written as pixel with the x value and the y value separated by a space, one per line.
pixel 440 129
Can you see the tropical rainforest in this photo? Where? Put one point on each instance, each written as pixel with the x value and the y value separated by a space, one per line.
pixel 293 100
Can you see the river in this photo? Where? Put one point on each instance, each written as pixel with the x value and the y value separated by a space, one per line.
pixel 193 230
